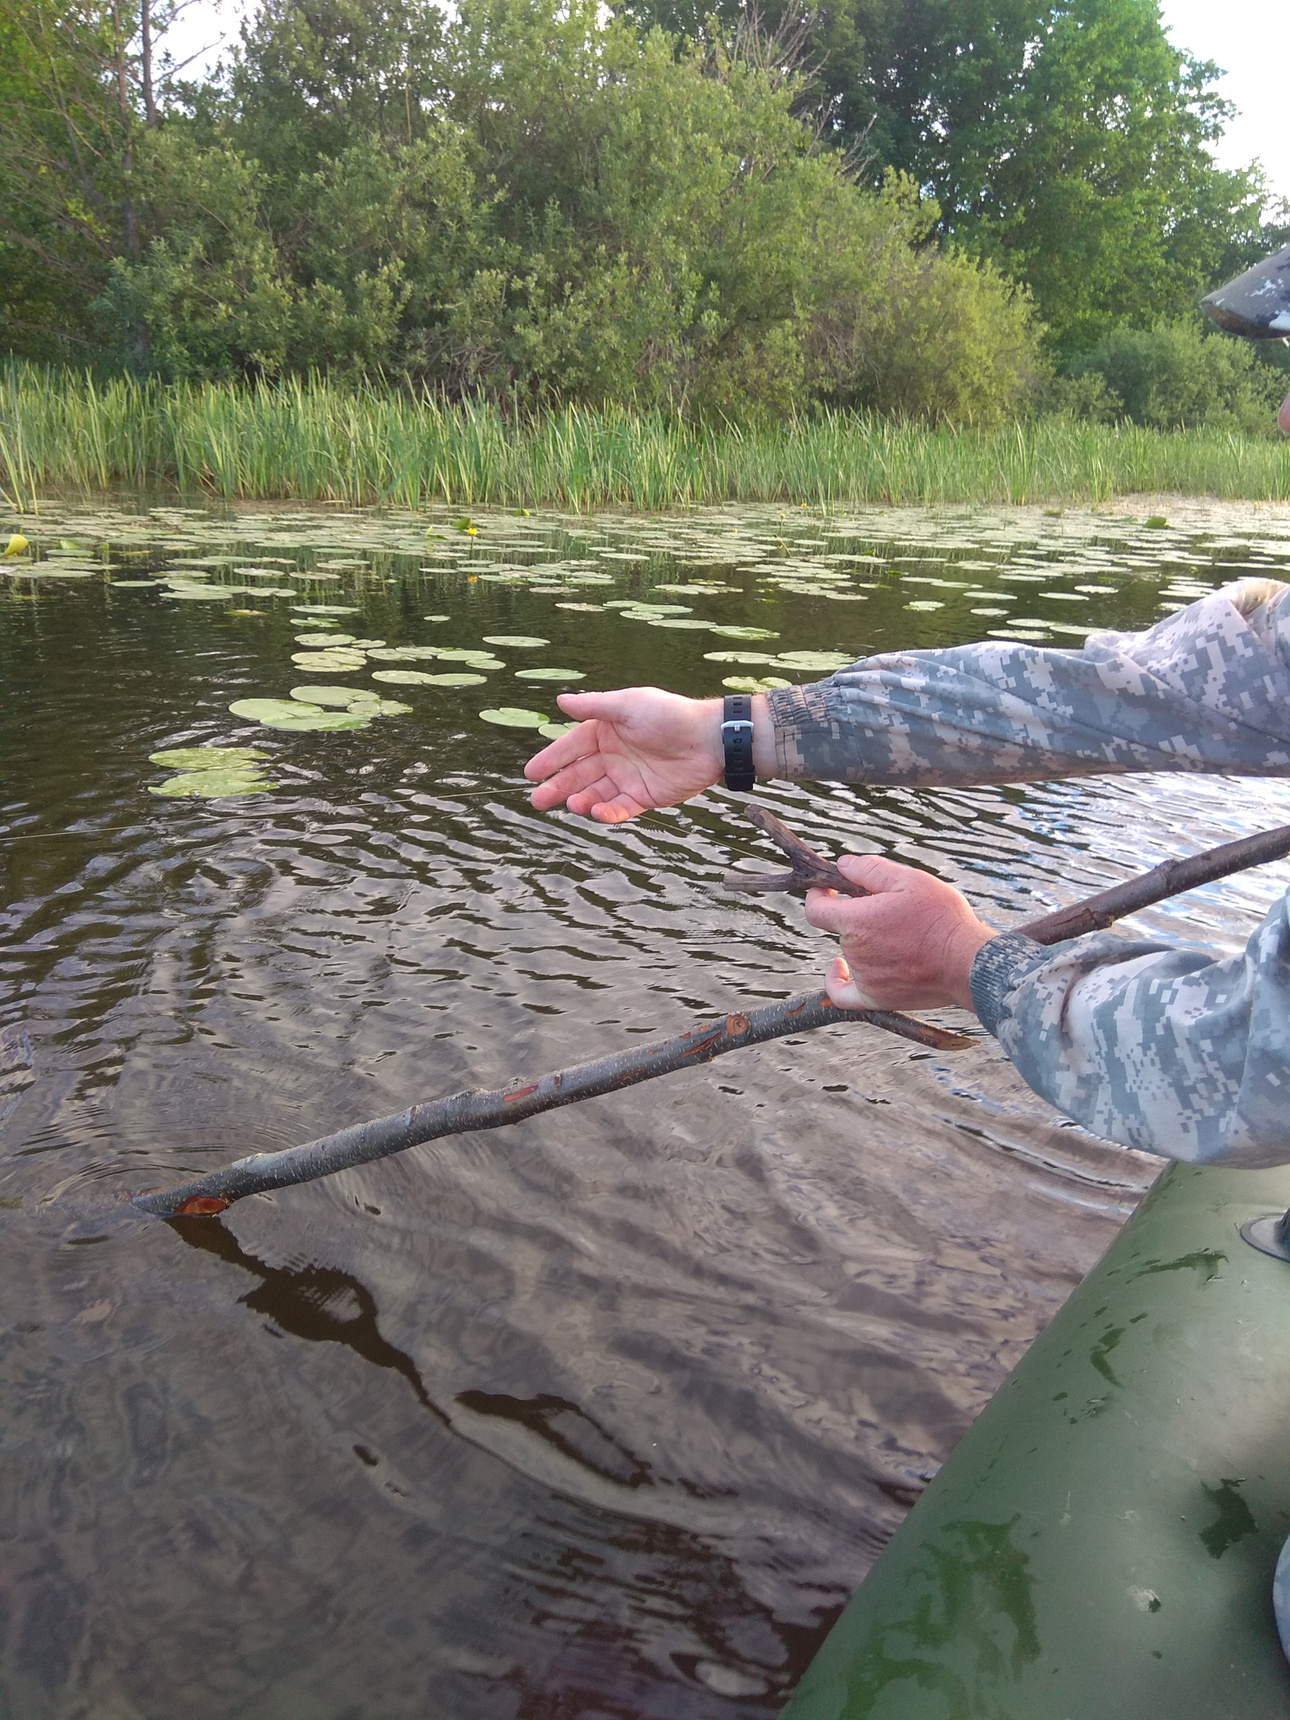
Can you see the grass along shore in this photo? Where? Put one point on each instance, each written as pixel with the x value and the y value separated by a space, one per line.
pixel 316 441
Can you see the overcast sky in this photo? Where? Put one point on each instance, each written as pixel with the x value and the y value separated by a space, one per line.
pixel 1250 39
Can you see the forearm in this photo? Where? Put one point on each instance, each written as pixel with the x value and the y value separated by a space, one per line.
pixel 1159 1048
pixel 1206 690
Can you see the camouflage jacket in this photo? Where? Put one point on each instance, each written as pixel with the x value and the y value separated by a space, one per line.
pixel 1154 1046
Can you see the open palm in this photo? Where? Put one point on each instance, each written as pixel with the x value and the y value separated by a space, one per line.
pixel 633 749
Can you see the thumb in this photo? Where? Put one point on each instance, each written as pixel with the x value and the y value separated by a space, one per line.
pixel 611 707
pixel 873 871
pixel 843 990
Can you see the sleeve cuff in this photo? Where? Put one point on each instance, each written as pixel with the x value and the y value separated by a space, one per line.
pixel 998 967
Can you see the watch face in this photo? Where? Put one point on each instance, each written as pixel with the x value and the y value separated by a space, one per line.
pixel 1257 303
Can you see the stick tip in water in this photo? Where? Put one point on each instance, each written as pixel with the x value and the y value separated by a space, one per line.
pixel 157 1202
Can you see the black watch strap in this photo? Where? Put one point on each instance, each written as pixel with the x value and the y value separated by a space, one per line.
pixel 737 741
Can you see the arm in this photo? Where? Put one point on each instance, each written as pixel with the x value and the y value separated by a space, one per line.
pixel 1207 689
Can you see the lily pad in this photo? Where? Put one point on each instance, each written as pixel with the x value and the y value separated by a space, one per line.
pixel 207 758
pixel 325 641
pixel 132 584
pixel 745 632
pixel 321 720
pixel 16 545
pixel 819 661
pixel 328 663
pixel 342 696
pixel 265 710
pixel 326 609
pixel 515 717
pixel 738 657
pixel 210 785
pixel 553 731
pixel 455 680
pixel 405 677
pixel 550 674
pixel 750 684
pixel 436 617
pixel 521 641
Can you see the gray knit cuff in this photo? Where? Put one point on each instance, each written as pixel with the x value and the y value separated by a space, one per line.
pixel 999 966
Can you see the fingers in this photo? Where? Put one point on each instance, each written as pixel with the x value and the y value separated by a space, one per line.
pixel 843 990
pixel 565 785
pixel 829 912
pixel 877 873
pixel 564 751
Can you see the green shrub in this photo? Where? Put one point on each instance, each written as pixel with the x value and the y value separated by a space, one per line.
pixel 1173 376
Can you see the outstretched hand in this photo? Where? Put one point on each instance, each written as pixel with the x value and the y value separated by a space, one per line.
pixel 909 945
pixel 633 749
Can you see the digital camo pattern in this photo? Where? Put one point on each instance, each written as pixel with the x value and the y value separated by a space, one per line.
pixel 1206 689
pixel 1156 1047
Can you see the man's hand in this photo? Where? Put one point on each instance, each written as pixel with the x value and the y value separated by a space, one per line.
pixel 632 750
pixel 910 945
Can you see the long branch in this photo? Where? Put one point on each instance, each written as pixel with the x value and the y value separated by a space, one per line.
pixel 479 1109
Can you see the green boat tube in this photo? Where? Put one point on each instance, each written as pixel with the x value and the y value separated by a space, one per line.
pixel 1101 1544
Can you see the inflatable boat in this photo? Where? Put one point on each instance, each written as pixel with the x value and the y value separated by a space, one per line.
pixel 1101 1544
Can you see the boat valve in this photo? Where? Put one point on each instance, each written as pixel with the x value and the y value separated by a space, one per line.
pixel 1270 1235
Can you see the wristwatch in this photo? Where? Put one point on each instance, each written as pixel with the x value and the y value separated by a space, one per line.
pixel 737 741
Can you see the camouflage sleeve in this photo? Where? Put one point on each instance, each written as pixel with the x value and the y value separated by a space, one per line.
pixel 1207 689
pixel 1156 1047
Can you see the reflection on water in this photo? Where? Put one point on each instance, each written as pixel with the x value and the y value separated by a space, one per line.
pixel 602 1415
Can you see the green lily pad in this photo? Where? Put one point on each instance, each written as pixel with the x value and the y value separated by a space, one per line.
pixel 207 758
pixel 581 608
pixel 455 680
pixel 521 641
pixel 553 731
pixel 404 677
pixel 132 584
pixel 550 674
pixel 745 632
pixel 738 657
pixel 388 708
pixel 821 661
pixel 210 785
pixel 327 662
pixel 342 696
pixel 323 720
pixel 266 710
pixel 750 683
pixel 436 617
pixel 325 641
pixel 326 609
pixel 515 717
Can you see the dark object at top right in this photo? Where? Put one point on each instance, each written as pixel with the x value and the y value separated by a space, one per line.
pixel 1257 303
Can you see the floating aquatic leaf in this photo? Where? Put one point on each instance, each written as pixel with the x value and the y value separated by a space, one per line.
pixel 738 657
pixel 341 696
pixel 455 680
pixel 581 608
pixel 436 617
pixel 745 632
pixel 929 604
pixel 821 661
pixel 201 593
pixel 407 677
pixel 327 663
pixel 327 641
pixel 553 731
pixel 750 683
pixel 210 785
pixel 679 622
pixel 17 544
pixel 388 708
pixel 514 717
pixel 207 758
pixel 521 641
pixel 550 674
pixel 326 609
pixel 261 710
pixel 988 612
pixel 325 720
pixel 132 584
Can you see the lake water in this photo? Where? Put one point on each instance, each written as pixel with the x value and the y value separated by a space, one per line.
pixel 600 1417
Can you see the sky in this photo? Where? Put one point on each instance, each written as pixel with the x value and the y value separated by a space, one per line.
pixel 1249 39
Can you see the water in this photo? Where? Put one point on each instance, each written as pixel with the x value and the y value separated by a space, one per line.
pixel 603 1415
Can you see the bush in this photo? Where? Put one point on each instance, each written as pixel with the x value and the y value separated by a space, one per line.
pixel 1173 377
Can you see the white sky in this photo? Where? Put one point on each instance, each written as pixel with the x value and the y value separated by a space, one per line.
pixel 1249 39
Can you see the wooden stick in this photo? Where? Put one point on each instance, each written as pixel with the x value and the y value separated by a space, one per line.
pixel 1093 914
pixel 477 1109
pixel 1170 878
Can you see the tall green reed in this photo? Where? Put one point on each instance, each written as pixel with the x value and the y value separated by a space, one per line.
pixel 318 441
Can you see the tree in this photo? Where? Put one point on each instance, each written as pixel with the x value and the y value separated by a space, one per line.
pixel 1065 139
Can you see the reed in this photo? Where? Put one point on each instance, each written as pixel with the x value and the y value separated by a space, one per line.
pixel 65 431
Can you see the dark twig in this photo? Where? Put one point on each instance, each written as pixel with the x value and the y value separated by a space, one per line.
pixel 810 870
pixel 476 1109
